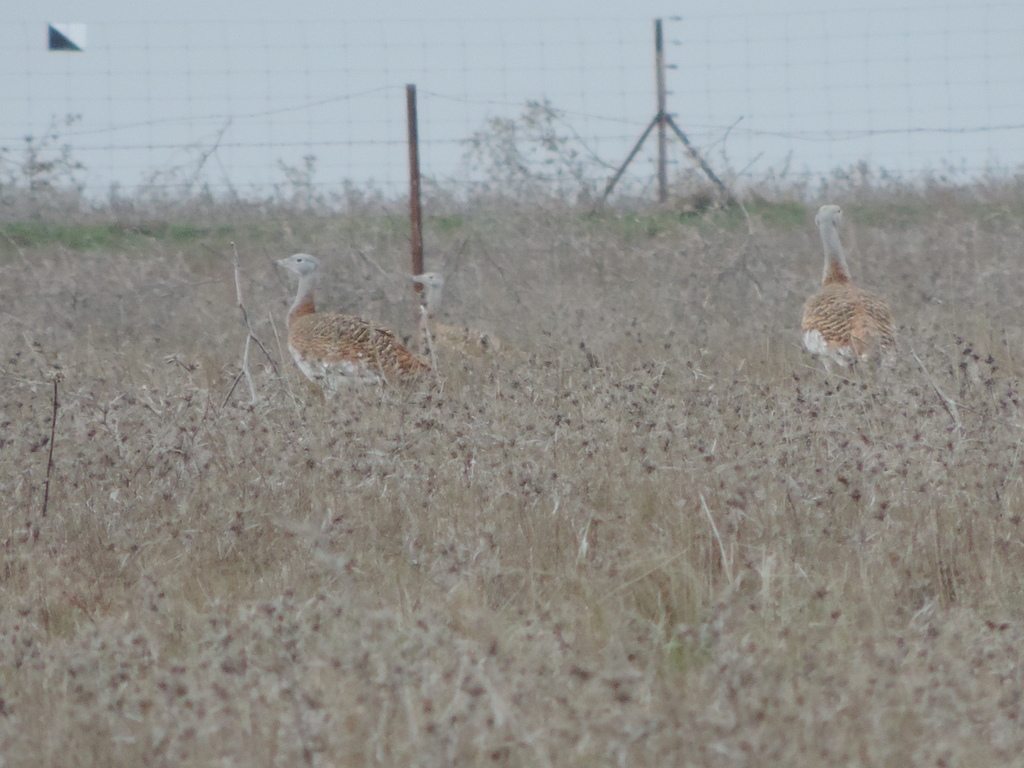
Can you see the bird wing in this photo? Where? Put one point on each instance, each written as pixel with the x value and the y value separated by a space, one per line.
pixel 335 338
pixel 847 316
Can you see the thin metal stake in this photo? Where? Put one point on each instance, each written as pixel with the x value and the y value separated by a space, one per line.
pixel 664 120
pixel 662 117
pixel 57 376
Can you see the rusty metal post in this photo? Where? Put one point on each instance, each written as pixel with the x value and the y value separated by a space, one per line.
pixel 659 67
pixel 414 186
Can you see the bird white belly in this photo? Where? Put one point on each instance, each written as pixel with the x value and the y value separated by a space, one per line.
pixel 815 343
pixel 337 374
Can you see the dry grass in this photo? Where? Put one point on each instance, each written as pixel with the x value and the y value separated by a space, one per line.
pixel 650 531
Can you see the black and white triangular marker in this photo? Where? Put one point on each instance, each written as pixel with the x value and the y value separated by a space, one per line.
pixel 67 37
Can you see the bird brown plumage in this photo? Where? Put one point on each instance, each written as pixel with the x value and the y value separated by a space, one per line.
pixel 333 349
pixel 843 323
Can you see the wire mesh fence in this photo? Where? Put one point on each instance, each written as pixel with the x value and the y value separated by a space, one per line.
pixel 255 109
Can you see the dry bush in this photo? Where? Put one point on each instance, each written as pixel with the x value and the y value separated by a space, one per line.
pixel 649 531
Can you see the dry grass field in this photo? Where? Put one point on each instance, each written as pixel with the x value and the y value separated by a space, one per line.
pixel 648 531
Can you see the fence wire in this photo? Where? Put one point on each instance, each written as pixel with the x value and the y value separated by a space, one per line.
pixel 260 109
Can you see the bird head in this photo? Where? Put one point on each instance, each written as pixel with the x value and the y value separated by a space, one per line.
pixel 829 214
pixel 301 264
pixel 433 284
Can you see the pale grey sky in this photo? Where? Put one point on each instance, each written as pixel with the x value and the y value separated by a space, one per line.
pixel 759 88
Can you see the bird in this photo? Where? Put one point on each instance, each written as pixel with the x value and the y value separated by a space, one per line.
pixel 843 323
pixel 451 336
pixel 336 350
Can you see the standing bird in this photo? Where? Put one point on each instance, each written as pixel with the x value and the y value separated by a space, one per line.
pixel 335 350
pixel 458 337
pixel 843 323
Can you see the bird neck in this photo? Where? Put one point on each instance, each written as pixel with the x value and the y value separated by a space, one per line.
pixel 431 298
pixel 836 270
pixel 303 304
pixel 426 338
